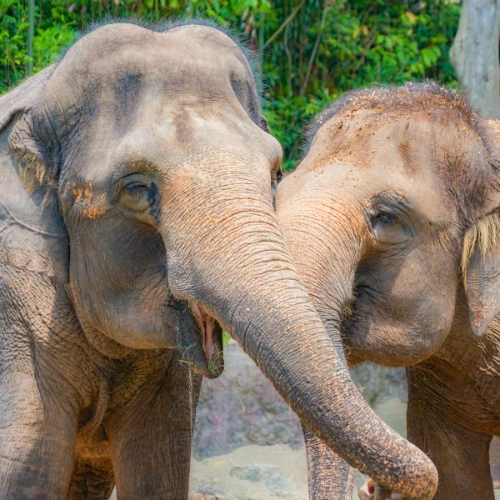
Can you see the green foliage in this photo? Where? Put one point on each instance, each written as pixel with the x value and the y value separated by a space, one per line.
pixel 225 338
pixel 313 50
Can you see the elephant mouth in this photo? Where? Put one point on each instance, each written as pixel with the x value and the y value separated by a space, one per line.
pixel 199 338
pixel 348 327
pixel 210 363
pixel 207 327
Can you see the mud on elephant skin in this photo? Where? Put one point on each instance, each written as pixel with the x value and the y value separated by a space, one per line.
pixel 137 216
pixel 393 219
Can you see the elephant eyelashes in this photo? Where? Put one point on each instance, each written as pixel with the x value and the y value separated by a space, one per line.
pixel 388 229
pixel 383 220
pixel 138 197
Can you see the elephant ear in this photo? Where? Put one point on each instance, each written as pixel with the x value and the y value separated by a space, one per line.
pixel 17 106
pixel 263 124
pixel 22 98
pixel 32 236
pixel 481 253
pixel 481 270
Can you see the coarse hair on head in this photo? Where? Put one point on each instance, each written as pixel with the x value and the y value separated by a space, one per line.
pixel 407 98
pixel 484 235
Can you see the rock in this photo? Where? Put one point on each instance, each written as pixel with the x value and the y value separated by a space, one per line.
pixel 379 384
pixel 278 483
pixel 253 473
pixel 273 476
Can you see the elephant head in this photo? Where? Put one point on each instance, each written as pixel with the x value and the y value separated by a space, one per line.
pixel 394 204
pixel 151 146
pixel 392 219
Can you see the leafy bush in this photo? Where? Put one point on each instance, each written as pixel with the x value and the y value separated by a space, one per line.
pixel 312 50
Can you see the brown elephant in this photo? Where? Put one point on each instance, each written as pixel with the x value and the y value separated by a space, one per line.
pixel 393 219
pixel 136 220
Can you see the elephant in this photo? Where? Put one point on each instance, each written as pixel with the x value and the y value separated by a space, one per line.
pixel 137 222
pixel 392 218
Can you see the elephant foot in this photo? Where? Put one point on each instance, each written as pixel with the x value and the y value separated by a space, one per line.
pixel 372 491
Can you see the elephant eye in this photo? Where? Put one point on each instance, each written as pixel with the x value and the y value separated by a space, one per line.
pixel 138 197
pixel 388 229
pixel 383 220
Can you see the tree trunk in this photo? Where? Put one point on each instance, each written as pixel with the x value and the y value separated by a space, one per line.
pixel 475 55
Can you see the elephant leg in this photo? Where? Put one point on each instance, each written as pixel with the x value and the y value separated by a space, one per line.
pixel 92 480
pixel 151 436
pixel 37 436
pixel 460 455
pixel 329 476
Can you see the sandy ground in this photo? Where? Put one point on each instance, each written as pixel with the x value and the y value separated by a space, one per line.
pixel 253 473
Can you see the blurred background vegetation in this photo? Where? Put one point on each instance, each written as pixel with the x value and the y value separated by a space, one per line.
pixel 311 51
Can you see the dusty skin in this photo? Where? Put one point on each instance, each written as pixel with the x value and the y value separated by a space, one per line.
pixel 393 220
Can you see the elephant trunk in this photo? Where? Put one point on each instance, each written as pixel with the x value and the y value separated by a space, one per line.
pixel 358 436
pixel 250 285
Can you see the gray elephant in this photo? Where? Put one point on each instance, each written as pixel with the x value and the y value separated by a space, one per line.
pixel 137 220
pixel 393 221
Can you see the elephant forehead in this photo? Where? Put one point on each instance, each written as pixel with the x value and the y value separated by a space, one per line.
pixel 412 143
pixel 358 138
pixel 119 63
pixel 182 139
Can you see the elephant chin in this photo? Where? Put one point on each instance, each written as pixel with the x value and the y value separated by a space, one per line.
pixel 201 342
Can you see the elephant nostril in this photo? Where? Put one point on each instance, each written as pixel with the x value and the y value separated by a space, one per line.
pixel 367 491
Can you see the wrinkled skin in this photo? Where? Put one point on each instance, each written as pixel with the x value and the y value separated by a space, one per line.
pixel 137 220
pixel 376 216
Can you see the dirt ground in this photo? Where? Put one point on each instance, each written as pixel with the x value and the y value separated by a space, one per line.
pixel 256 473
